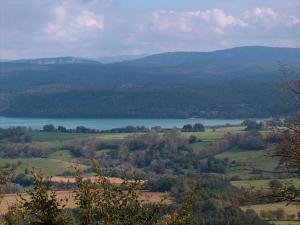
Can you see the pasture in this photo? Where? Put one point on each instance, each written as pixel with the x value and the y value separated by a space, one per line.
pixel 249 164
pixel 41 136
pixel 47 166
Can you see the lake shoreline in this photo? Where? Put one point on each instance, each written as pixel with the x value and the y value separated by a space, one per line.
pixel 107 123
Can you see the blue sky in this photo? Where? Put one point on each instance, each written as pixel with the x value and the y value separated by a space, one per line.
pixel 95 28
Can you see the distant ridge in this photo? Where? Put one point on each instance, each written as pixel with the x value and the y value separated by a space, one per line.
pixel 253 63
pixel 253 54
pixel 56 60
pixel 256 54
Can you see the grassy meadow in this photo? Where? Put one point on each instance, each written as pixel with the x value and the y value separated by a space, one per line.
pixel 40 136
pixel 47 166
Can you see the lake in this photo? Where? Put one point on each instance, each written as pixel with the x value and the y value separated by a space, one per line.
pixel 105 124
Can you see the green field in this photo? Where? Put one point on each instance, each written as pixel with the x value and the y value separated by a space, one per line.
pixel 209 136
pixel 260 184
pixel 246 161
pixel 112 136
pixel 64 155
pixel 49 167
pixel 60 160
pixel 57 136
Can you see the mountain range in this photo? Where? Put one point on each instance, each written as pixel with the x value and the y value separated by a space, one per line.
pixel 238 82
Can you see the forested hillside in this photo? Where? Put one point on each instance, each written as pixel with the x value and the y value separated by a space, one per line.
pixel 239 82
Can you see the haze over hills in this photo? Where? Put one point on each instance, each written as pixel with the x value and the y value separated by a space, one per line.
pixel 242 82
pixel 248 54
pixel 76 60
pixel 55 60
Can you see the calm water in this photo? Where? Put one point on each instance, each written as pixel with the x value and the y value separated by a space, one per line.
pixel 105 124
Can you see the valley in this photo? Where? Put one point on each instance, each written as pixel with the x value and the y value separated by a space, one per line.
pixel 213 152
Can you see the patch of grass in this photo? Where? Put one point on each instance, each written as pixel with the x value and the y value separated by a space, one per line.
pixel 102 152
pixel 209 136
pixel 198 146
pixel 113 136
pixel 56 136
pixel 64 155
pixel 49 167
pixel 260 184
pixel 244 162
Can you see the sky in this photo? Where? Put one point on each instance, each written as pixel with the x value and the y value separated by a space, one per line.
pixel 97 28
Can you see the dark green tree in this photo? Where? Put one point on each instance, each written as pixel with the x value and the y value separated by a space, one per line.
pixel 49 128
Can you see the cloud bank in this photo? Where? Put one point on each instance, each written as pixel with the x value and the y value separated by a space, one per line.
pixel 93 28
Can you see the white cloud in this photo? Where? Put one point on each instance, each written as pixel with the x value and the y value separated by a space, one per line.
pixel 71 24
pixel 262 12
pixel 91 28
pixel 89 19
pixel 165 20
pixel 266 16
pixel 192 21
pixel 294 21
pixel 218 18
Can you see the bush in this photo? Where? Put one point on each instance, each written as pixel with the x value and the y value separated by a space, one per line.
pixel 49 128
pixel 99 202
pixel 193 139
pixel 23 180
pixel 198 127
pixel 162 184
pixel 249 141
pixel 252 125
pixel 275 184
